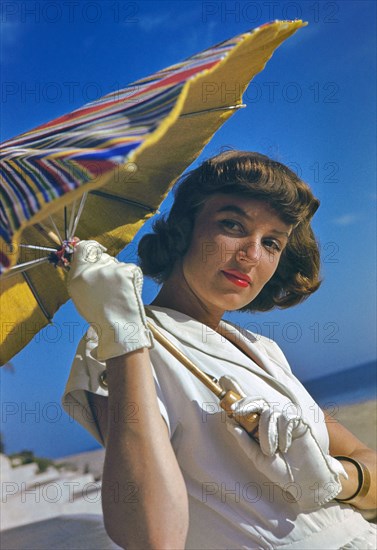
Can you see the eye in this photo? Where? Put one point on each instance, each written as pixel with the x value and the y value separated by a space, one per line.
pixel 231 226
pixel 272 245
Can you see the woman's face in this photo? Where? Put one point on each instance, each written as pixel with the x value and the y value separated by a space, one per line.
pixel 235 249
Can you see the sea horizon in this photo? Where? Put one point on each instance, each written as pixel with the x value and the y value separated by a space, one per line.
pixel 345 387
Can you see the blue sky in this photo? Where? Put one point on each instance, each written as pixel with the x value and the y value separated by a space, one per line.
pixel 313 108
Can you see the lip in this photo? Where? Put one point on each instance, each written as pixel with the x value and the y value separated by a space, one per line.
pixel 237 278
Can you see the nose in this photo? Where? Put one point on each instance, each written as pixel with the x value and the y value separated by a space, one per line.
pixel 250 252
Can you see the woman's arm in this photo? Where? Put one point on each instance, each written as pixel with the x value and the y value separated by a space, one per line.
pixel 144 496
pixel 344 443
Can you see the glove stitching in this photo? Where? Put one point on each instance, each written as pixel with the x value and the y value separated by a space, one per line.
pixel 141 306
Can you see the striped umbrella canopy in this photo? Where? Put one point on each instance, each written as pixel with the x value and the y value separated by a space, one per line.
pixel 101 171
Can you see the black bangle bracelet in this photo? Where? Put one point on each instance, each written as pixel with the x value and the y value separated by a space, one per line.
pixel 361 477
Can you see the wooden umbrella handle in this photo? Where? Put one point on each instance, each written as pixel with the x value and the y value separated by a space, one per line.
pixel 227 398
pixel 249 422
pixel 196 371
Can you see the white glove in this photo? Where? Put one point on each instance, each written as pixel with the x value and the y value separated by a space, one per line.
pixel 107 293
pixel 288 454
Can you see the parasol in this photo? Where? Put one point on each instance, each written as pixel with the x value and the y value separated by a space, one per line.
pixel 101 171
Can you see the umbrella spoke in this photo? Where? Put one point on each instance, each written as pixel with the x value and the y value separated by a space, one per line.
pixel 21 268
pixel 56 230
pixel 78 215
pixel 71 219
pixel 48 233
pixel 37 297
pixel 110 196
pixel 232 107
pixel 37 247
pixel 65 224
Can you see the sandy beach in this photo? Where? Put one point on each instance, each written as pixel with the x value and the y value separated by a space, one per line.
pixel 361 420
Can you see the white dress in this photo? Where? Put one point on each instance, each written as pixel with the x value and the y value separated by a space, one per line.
pixel 232 505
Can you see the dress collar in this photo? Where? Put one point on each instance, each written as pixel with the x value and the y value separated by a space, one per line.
pixel 254 355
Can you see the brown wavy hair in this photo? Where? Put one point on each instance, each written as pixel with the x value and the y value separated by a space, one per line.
pixel 258 177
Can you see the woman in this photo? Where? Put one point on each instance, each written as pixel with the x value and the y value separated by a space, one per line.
pixel 178 473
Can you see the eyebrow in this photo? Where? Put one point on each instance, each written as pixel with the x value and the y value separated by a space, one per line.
pixel 237 210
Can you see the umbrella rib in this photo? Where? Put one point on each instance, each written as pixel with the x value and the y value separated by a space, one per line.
pixel 104 195
pixel 78 215
pixel 37 298
pixel 36 247
pixel 21 268
pixel 56 229
pixel 230 108
pixel 48 233
pixel 71 219
pixel 65 224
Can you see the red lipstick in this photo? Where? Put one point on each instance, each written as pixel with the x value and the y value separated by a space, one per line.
pixel 237 278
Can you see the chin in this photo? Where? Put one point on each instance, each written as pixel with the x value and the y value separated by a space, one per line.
pixel 234 304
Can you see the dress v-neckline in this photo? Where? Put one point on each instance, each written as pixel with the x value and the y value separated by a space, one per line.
pixel 237 340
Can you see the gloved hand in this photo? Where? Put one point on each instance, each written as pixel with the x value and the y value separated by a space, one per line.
pixel 107 293
pixel 288 453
